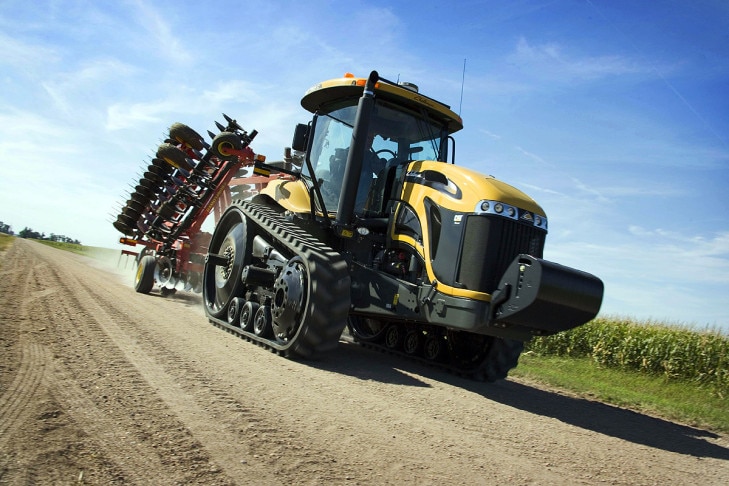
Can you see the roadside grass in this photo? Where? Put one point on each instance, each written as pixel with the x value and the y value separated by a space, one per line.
pixel 673 371
pixel 671 351
pixel 80 249
pixel 96 252
pixel 677 400
pixel 5 241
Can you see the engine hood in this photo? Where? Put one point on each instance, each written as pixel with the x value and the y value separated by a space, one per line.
pixel 462 189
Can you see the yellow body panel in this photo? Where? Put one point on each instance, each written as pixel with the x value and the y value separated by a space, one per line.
pixel 474 187
pixel 291 195
pixel 468 189
pixel 350 86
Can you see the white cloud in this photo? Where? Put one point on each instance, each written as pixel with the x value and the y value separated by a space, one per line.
pixel 70 89
pixel 554 62
pixel 123 116
pixel 532 156
pixel 491 135
pixel 23 55
pixel 170 46
pixel 236 90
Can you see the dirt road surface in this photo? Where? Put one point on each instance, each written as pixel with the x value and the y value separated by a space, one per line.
pixel 100 385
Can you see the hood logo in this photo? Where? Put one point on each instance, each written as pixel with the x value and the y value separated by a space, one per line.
pixel 527 216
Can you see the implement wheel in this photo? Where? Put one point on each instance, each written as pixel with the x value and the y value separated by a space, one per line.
pixel 174 156
pixel 186 135
pixel 223 145
pixel 144 278
pixel 228 253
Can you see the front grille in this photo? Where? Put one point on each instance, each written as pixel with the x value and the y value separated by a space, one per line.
pixel 490 244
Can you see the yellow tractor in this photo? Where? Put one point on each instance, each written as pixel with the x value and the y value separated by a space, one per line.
pixel 379 232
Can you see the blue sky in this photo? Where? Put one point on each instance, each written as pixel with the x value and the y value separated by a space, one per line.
pixel 613 115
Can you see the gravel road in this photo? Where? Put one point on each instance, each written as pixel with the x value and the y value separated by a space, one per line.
pixel 101 385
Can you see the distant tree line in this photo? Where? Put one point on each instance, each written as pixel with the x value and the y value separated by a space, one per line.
pixel 29 233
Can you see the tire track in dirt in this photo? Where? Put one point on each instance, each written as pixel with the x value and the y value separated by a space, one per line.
pixel 166 442
pixel 239 440
pixel 147 376
pixel 379 431
pixel 16 402
pixel 19 386
pixel 81 345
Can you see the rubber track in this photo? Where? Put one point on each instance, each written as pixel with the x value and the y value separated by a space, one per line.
pixel 326 314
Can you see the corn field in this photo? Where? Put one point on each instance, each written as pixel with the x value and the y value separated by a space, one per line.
pixel 673 352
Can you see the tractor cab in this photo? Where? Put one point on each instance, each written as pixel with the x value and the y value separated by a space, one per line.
pixel 401 126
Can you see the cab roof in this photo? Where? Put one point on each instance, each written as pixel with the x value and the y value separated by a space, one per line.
pixel 349 86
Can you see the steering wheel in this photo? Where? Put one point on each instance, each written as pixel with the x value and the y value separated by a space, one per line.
pixel 387 151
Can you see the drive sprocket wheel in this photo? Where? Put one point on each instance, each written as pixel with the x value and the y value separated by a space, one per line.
pixel 290 298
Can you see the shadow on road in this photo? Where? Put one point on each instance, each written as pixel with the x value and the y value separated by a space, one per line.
pixel 365 364
pixel 605 419
pixel 353 360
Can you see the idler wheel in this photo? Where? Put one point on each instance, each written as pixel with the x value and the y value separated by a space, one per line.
pixel 236 303
pixel 412 342
pixel 228 253
pixel 248 315
pixel 393 336
pixel 433 347
pixel 262 322
pixel 366 329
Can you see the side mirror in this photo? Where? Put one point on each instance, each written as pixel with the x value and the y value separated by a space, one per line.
pixel 301 137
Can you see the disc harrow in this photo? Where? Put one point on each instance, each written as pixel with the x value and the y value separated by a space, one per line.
pixel 187 179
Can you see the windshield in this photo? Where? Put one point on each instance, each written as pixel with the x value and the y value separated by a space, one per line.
pixel 396 137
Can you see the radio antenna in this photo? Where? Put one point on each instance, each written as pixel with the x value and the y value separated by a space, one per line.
pixel 463 81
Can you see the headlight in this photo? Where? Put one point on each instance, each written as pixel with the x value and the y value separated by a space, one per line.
pixel 486 206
